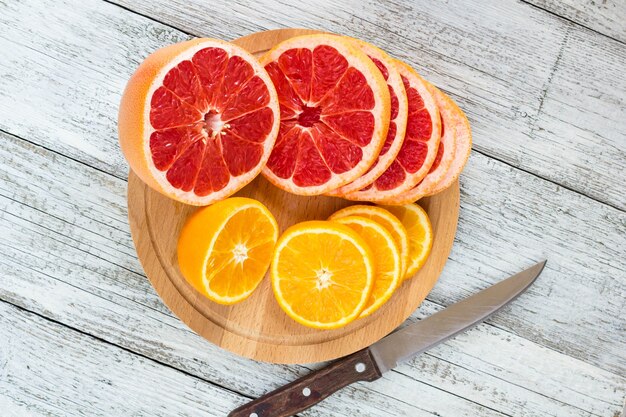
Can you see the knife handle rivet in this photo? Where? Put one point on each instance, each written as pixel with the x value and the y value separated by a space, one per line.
pixel 306 391
pixel 360 367
pixel 254 415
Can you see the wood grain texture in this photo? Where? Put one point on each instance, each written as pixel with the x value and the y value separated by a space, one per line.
pixel 510 365
pixel 47 369
pixel 257 327
pixel 606 16
pixel 500 60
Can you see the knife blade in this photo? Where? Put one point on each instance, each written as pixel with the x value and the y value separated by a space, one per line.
pixel 402 345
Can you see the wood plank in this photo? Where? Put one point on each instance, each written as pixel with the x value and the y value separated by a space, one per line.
pixel 585 100
pixel 51 370
pixel 606 16
pixel 498 357
pixel 502 61
pixel 69 63
pixel 89 290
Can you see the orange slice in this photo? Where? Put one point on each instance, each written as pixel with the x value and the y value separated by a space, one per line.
pixel 397 122
pixel 334 109
pixel 322 274
pixel 419 149
pixel 224 250
pixel 386 257
pixel 385 219
pixel 198 120
pixel 420 232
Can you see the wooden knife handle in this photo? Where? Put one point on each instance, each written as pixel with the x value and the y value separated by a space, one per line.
pixel 312 388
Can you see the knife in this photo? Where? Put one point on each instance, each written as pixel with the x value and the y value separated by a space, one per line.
pixel 402 345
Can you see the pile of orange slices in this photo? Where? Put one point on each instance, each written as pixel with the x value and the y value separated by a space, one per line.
pixel 324 273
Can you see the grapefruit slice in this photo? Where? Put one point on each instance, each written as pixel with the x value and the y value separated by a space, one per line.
pixel 463 137
pixel 445 151
pixel 334 109
pixel 198 120
pixel 397 123
pixel 419 148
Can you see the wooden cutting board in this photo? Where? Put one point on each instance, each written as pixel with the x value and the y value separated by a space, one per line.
pixel 257 328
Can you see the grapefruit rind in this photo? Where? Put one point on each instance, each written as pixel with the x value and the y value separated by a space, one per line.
pixel 463 139
pixel 448 140
pixel 373 193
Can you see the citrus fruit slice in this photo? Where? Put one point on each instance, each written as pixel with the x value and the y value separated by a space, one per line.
pixel 397 122
pixel 224 250
pixel 198 120
pixel 445 152
pixel 322 274
pixel 385 219
pixel 463 138
pixel 334 109
pixel 419 148
pixel 415 219
pixel 386 259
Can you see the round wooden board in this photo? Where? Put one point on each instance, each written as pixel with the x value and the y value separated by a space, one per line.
pixel 257 328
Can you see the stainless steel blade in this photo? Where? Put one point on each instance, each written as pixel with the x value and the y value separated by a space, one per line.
pixel 416 338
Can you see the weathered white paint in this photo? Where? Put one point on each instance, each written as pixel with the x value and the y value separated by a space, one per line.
pixel 498 357
pixel 98 293
pixel 50 370
pixel 606 16
pixel 500 60
pixel 71 88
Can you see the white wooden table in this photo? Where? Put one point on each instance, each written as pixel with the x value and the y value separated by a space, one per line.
pixel 543 82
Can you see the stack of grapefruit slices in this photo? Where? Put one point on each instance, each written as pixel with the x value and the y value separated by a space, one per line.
pixel 317 114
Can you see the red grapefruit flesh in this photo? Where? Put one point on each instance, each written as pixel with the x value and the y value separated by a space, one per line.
pixel 198 120
pixel 335 108
pixel 445 153
pixel 419 148
pixel 463 139
pixel 397 123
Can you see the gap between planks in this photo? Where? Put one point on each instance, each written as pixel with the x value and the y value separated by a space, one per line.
pixel 486 154
pixel 567 19
pixel 125 349
pixel 534 174
pixel 225 388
